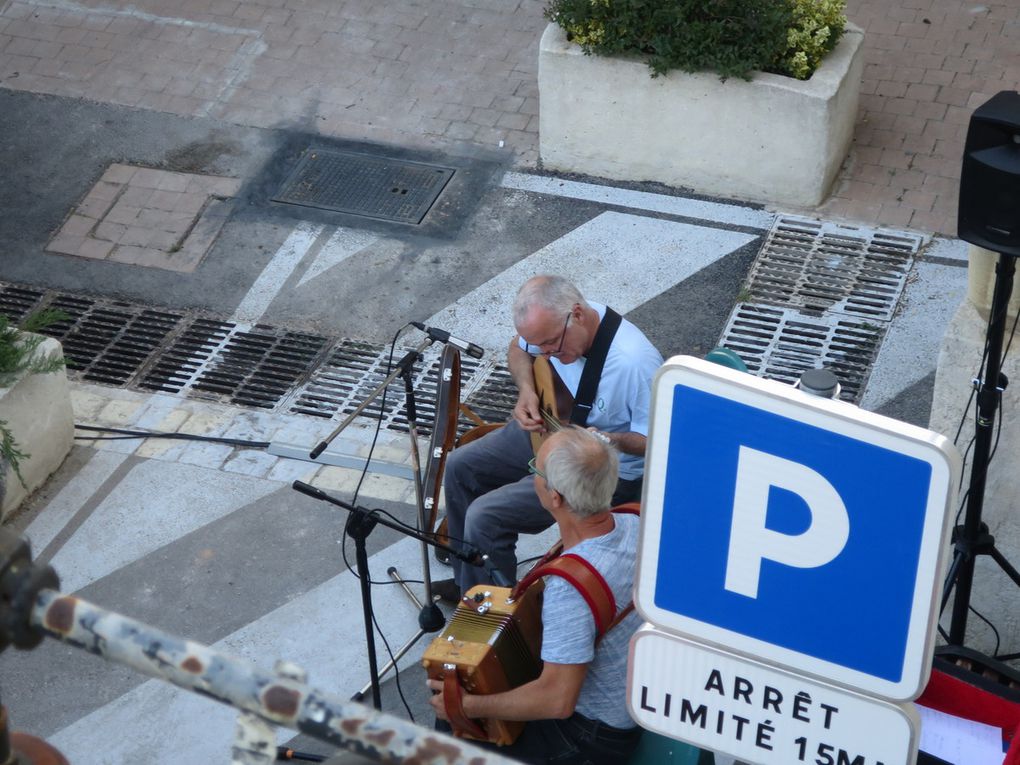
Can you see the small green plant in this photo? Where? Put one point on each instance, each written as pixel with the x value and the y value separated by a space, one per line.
pixel 18 356
pixel 816 28
pixel 730 37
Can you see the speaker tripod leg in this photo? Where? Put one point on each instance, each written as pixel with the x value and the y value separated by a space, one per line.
pixel 1005 565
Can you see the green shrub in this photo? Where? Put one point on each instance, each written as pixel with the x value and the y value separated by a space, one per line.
pixel 730 37
pixel 18 356
pixel 817 27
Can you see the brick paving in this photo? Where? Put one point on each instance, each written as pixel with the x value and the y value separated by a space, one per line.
pixel 420 73
pixel 927 65
pixel 147 217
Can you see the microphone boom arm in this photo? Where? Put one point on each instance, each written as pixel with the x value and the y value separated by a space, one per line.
pixel 403 365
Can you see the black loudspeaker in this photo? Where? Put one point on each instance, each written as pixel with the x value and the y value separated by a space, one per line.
pixel 990 179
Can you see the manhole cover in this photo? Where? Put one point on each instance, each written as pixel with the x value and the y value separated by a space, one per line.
pixel 374 187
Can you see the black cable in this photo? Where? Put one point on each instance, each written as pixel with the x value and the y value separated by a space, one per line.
pixel 127 434
pixel 980 616
pixel 379 419
pixel 396 670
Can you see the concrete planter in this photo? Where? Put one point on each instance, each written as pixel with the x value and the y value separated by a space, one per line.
pixel 773 139
pixel 37 409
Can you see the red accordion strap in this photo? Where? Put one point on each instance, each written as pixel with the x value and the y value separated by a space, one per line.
pixel 585 579
pixel 589 583
pixel 453 702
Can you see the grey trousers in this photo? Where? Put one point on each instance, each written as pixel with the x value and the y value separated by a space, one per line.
pixel 490 500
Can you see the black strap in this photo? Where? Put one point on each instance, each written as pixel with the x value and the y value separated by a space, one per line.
pixel 594 361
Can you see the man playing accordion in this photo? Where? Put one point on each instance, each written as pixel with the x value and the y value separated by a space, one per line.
pixel 576 709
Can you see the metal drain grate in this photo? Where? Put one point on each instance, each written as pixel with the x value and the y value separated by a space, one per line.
pixel 109 343
pixel 17 302
pixel 495 395
pixel 134 346
pixel 255 367
pixel 374 187
pixel 781 344
pixel 354 369
pixel 104 341
pixel 187 356
pixel 823 267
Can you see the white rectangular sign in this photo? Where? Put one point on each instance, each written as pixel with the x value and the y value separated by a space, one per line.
pixel 756 713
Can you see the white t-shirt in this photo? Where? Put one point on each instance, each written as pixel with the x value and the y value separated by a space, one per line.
pixel 625 388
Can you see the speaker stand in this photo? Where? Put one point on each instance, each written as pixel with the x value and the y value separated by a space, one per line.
pixel 972 538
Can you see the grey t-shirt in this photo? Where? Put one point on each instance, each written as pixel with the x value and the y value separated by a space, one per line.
pixel 568 635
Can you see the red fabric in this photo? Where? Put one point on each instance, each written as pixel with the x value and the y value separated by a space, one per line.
pixel 953 696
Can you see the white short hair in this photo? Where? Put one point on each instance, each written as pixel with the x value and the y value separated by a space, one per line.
pixel 584 469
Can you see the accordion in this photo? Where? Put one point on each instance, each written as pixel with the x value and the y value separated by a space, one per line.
pixel 492 643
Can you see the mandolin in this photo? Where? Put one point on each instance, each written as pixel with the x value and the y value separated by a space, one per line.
pixel 554 400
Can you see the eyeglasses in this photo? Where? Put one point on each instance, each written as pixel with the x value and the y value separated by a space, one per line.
pixel 535 470
pixel 563 336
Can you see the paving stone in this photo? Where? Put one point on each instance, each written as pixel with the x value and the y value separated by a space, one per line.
pixel 250 462
pixel 118 413
pixel 95 248
pixel 289 470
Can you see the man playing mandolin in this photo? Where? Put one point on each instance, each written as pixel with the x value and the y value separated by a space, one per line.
pixel 602 362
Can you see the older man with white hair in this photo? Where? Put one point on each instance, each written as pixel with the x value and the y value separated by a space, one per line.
pixel 606 364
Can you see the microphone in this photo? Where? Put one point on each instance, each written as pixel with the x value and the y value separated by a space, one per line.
pixel 442 336
pixel 311 491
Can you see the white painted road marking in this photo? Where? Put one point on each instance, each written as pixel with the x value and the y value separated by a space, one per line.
pixel 621 259
pixel 717 212
pixel 344 243
pixel 271 280
pixel 156 503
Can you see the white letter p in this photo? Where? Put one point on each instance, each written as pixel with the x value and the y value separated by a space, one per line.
pixel 751 542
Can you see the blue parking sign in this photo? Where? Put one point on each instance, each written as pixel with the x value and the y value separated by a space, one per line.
pixel 794 529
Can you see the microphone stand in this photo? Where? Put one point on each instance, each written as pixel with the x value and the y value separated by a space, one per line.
pixel 359 525
pixel 407 361
pixel 430 618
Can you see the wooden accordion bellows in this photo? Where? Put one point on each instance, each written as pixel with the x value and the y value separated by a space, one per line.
pixel 493 644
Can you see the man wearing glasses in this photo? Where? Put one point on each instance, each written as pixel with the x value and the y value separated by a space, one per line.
pixel 577 707
pixel 490 495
